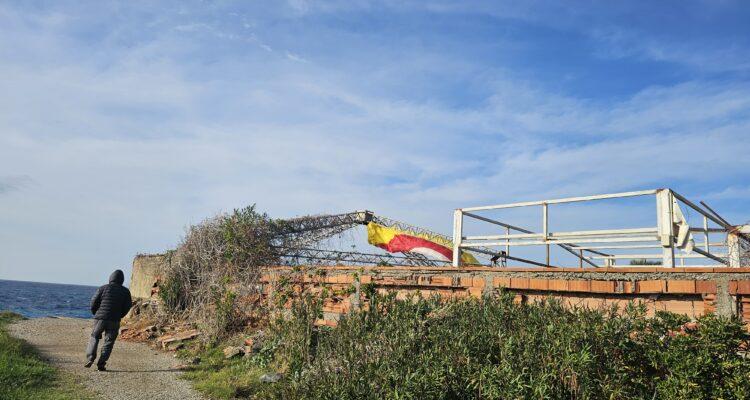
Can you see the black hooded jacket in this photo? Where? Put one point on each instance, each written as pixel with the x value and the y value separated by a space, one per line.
pixel 112 301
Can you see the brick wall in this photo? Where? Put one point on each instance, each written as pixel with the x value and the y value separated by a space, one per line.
pixel 680 290
pixel 690 291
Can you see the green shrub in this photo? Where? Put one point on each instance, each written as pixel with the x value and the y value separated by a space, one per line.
pixel 496 349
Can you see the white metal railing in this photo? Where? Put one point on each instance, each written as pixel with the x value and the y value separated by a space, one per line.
pixel 672 233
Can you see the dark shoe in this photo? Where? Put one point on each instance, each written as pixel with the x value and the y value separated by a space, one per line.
pixel 101 368
pixel 88 364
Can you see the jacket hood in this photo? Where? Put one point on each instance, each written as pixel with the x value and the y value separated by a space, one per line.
pixel 117 277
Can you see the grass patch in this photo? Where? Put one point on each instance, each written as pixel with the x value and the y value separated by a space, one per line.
pixel 24 375
pixel 219 378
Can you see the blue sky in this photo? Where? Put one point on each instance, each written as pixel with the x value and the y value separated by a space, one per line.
pixel 121 123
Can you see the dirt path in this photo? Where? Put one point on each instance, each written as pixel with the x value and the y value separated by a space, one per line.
pixel 135 370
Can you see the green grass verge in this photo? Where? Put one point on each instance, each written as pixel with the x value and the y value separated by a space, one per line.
pixel 24 375
pixel 219 378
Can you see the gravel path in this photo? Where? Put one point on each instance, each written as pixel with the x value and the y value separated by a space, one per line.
pixel 135 371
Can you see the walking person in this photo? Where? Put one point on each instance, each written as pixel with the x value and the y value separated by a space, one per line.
pixel 109 305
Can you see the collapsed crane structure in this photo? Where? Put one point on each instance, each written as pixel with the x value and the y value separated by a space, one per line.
pixel 302 237
pixel 672 236
pixel 692 261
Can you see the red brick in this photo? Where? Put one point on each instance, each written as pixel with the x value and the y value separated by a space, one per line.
pixel 465 281
pixel 365 279
pixel 624 287
pixel 538 284
pixel 536 298
pixel 477 282
pixel 519 283
pixel 579 286
pixel 559 285
pixel 652 286
pixel 475 292
pixel 602 286
pixel 325 322
pixel 674 286
pixel 441 281
pixel 700 308
pixel 679 307
pixel 743 287
pixel 732 287
pixel 500 282
pixel 705 287
pixel 591 302
pixel 626 269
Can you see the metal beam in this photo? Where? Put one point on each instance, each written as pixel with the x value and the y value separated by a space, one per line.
pixel 711 256
pixel 648 256
pixel 700 210
pixel 563 200
pixel 569 249
pixel 711 210
pixel 565 241
pixel 730 227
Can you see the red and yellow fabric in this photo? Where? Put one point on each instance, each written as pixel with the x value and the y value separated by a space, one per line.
pixel 396 241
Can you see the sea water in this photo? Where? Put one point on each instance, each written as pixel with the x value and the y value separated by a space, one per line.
pixel 36 299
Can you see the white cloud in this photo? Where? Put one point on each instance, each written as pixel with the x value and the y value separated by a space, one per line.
pixel 295 57
pixel 625 42
pixel 128 143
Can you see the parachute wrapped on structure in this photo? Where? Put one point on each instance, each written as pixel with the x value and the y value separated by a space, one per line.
pixel 396 241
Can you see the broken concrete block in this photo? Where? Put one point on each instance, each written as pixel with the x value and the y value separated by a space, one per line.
pixel 171 340
pixel 233 351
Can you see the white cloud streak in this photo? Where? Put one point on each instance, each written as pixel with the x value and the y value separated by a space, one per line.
pixel 129 143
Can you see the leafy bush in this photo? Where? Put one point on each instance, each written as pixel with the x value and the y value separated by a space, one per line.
pixel 496 349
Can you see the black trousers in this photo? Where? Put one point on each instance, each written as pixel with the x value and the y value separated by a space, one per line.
pixel 110 329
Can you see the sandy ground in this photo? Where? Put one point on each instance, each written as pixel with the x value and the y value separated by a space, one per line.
pixel 135 371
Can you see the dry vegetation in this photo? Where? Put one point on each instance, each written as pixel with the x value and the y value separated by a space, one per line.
pixel 212 278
